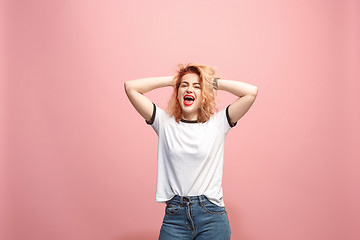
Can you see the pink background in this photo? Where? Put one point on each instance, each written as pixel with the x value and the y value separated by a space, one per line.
pixel 77 161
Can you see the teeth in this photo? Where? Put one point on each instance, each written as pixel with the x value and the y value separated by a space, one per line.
pixel 189 98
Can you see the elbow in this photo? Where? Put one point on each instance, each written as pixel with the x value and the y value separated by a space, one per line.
pixel 131 86
pixel 127 86
pixel 254 92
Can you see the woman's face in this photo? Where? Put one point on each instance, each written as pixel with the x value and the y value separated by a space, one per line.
pixel 189 95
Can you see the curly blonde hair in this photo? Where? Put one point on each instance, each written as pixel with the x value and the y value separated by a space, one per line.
pixel 208 104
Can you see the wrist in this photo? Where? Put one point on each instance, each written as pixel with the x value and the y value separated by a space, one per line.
pixel 216 83
pixel 170 81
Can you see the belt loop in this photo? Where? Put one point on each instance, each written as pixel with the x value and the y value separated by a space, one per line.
pixel 201 200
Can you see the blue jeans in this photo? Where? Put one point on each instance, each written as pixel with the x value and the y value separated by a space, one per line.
pixel 188 218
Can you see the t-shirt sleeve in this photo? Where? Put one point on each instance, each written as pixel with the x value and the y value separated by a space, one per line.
pixel 158 117
pixel 153 116
pixel 228 117
pixel 222 119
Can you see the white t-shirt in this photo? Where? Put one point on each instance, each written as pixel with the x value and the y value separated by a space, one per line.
pixel 190 156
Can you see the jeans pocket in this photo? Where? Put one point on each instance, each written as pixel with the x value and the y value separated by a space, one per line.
pixel 213 208
pixel 172 208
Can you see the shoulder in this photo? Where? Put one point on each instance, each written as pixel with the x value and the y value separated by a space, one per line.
pixel 158 115
pixel 222 117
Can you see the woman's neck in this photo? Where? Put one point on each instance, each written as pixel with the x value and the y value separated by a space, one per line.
pixel 190 117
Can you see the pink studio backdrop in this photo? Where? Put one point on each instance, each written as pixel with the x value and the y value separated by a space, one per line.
pixel 79 163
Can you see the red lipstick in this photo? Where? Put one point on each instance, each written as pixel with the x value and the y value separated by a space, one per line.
pixel 188 100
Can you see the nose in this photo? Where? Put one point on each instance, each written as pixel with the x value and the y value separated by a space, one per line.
pixel 189 89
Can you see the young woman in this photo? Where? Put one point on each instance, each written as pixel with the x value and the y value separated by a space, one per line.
pixel 191 148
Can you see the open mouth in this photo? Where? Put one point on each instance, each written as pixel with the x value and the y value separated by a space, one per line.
pixel 188 100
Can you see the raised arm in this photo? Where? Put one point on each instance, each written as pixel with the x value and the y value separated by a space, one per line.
pixel 136 88
pixel 246 92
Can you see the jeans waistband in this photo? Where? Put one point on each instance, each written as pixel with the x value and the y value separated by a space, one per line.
pixel 190 199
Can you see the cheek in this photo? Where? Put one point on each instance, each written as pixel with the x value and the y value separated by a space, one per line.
pixel 180 92
pixel 178 95
pixel 179 99
pixel 199 96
